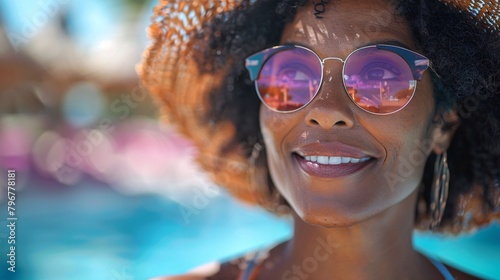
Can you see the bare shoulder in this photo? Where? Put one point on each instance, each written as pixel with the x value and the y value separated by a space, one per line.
pixel 209 271
pixel 222 271
pixel 460 275
pixel 180 277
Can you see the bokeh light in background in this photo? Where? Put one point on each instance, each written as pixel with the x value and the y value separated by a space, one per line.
pixel 105 191
pixel 83 105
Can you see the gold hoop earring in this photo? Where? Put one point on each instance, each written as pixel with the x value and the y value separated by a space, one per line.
pixel 439 191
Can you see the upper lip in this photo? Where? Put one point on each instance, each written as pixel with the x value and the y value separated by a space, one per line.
pixel 332 149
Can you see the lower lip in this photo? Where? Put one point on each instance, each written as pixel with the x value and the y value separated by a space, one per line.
pixel 330 171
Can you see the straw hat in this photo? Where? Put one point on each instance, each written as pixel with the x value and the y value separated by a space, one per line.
pixel 171 74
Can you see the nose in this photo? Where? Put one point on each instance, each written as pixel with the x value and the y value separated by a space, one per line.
pixel 327 118
pixel 331 107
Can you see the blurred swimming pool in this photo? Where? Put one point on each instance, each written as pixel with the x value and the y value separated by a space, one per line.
pixel 89 231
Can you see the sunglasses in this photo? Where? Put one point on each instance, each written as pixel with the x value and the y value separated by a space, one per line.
pixel 380 79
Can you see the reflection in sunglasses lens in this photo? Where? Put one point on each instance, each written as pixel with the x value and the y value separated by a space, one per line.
pixel 289 79
pixel 378 81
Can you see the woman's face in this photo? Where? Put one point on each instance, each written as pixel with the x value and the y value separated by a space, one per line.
pixel 397 145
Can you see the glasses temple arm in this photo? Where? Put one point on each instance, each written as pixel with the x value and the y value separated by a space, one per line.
pixel 434 71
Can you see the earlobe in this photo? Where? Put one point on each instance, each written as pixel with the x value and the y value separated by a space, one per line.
pixel 446 124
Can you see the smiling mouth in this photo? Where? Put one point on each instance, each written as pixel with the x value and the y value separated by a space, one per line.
pixel 334 160
pixel 332 166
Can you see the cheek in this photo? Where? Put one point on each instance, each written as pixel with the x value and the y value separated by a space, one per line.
pixel 406 137
pixel 405 146
pixel 411 130
pixel 275 127
pixel 272 128
pixel 419 122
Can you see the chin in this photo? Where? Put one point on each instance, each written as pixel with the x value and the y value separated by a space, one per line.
pixel 329 218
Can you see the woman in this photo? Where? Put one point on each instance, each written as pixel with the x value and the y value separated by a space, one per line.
pixel 375 118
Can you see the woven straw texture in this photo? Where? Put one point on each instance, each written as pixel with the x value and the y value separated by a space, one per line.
pixel 172 76
pixel 486 12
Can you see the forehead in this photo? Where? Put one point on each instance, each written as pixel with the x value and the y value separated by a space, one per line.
pixel 346 25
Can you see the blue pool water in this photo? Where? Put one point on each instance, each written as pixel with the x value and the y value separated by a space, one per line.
pixel 90 231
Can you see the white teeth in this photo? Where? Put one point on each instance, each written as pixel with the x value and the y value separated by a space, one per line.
pixel 322 159
pixel 334 160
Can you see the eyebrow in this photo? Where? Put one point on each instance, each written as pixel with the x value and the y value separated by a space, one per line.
pixel 387 42
pixel 379 42
pixel 295 43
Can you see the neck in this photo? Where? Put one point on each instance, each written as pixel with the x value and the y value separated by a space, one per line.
pixel 378 248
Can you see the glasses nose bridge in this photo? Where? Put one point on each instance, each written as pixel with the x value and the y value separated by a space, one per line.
pixel 324 60
pixel 332 58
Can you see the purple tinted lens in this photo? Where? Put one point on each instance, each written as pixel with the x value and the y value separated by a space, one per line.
pixel 289 79
pixel 378 81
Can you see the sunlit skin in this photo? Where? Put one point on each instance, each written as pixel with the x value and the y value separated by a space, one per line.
pixel 366 214
pixel 357 226
pixel 332 116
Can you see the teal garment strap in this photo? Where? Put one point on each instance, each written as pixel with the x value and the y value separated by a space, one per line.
pixel 248 271
pixel 442 268
pixel 254 262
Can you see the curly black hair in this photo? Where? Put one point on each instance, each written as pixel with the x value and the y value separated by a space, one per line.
pixel 463 53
